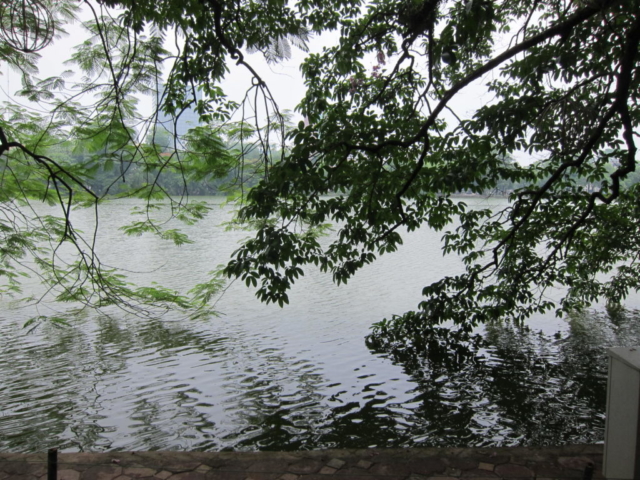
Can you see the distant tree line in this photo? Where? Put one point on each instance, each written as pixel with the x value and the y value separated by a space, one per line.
pixel 217 164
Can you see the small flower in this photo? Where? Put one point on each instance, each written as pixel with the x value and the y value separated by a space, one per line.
pixel 355 83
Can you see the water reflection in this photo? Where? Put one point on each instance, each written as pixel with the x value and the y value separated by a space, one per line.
pixel 168 385
pixel 265 378
pixel 523 388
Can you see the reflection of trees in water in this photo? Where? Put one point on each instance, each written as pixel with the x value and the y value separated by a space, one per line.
pixel 64 380
pixel 520 388
pixel 162 410
pixel 546 390
pixel 271 399
pixel 48 385
pixel 155 384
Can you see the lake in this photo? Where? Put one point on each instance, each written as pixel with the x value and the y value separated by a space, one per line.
pixel 260 377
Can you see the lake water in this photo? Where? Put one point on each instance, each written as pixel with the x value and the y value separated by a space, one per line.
pixel 264 378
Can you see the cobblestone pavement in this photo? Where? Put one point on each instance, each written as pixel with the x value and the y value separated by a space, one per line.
pixel 370 464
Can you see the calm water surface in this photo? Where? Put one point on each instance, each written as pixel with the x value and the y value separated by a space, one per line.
pixel 264 378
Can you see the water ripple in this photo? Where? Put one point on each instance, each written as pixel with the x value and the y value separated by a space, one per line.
pixel 261 377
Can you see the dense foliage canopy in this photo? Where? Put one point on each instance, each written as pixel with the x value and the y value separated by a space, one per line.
pixel 381 151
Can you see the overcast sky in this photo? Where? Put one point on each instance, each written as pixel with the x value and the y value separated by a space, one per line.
pixel 284 79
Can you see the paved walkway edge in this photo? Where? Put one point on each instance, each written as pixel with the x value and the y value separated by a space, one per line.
pixel 564 462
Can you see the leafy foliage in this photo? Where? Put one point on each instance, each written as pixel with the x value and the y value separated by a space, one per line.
pixel 378 159
pixel 382 151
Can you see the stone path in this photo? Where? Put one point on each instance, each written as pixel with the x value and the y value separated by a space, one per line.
pixel 566 462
